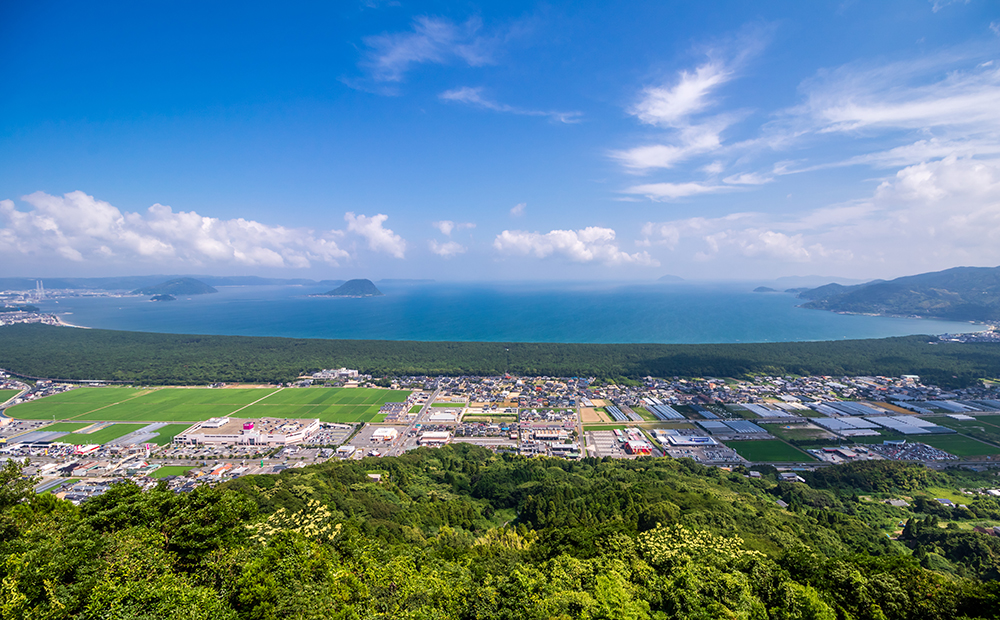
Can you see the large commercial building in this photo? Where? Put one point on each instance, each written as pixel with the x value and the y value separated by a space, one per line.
pixel 259 432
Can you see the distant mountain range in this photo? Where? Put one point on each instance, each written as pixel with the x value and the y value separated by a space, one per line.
pixel 129 283
pixel 178 286
pixel 958 294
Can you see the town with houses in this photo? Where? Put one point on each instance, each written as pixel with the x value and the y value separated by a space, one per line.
pixel 790 423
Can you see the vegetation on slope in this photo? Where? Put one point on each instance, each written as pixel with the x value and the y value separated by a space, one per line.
pixel 961 294
pixel 180 286
pixel 355 288
pixel 147 358
pixel 461 533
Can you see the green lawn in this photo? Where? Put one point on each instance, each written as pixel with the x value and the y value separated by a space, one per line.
pixel 769 450
pixel 196 404
pixel 959 445
pixel 104 435
pixel 447 404
pixel 416 408
pixel 167 433
pixel 170 470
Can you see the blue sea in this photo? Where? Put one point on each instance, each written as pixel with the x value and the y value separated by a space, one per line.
pixel 498 312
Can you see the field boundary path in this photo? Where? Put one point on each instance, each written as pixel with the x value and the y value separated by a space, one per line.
pixel 256 401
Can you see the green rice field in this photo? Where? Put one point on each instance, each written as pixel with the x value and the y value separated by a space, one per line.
pixel 167 433
pixel 64 427
pixel 7 394
pixel 170 470
pixel 959 445
pixel 345 405
pixel 769 450
pixel 102 436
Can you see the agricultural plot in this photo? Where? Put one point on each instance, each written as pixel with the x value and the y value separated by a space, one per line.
pixel 959 445
pixel 72 403
pixel 170 470
pixel 65 427
pixel 7 394
pixel 167 433
pixel 197 404
pixel 799 431
pixel 104 435
pixel 769 451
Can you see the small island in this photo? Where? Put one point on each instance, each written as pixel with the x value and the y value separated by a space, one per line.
pixel 355 288
pixel 180 286
pixel 163 297
pixel 764 289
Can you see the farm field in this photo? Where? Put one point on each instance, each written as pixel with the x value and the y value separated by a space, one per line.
pixel 799 431
pixel 170 470
pixel 102 436
pixel 197 404
pixel 167 433
pixel 769 450
pixel 64 427
pixel 5 394
pixel 959 445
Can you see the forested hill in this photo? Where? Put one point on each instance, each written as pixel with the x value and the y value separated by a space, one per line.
pixel 180 286
pixel 961 294
pixel 459 533
pixel 136 357
pixel 355 288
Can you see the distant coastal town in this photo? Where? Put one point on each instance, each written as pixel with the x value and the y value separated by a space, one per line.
pixel 82 438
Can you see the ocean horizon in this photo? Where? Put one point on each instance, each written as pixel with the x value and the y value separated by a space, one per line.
pixel 569 312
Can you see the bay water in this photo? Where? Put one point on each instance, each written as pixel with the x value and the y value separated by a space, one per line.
pixel 496 312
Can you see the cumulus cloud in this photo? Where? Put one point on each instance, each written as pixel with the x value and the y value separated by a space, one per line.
pixel 429 40
pixel 380 239
pixel 591 244
pixel 474 97
pixel 78 227
pixel 518 209
pixel 447 249
pixel 928 216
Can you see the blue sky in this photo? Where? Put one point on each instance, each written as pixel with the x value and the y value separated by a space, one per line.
pixel 463 141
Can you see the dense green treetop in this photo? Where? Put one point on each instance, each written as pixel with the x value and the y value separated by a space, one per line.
pixel 136 357
pixel 459 532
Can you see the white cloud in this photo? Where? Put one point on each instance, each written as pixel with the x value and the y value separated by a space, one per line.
pixel 447 249
pixel 591 244
pixel 937 5
pixel 672 191
pixel 518 209
pixel 747 178
pixel 995 27
pixel 379 239
pixel 671 106
pixel 928 216
pixel 447 226
pixel 79 228
pixel 474 97
pixel 431 40
pixel 924 95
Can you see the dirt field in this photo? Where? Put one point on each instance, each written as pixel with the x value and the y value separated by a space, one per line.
pixel 589 416
pixel 598 403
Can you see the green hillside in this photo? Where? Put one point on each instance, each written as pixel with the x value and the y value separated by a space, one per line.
pixel 461 533
pixel 180 286
pixel 961 294
pixel 355 288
